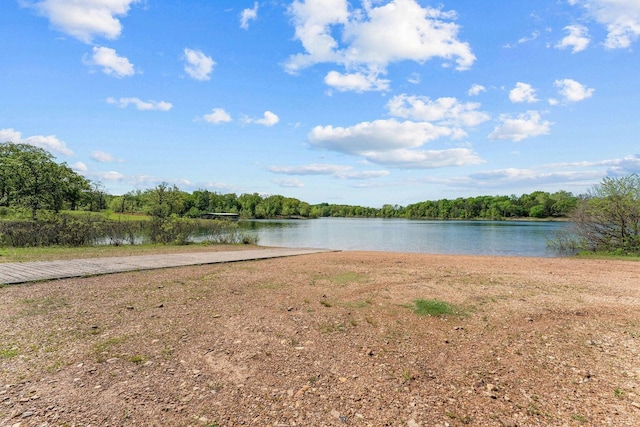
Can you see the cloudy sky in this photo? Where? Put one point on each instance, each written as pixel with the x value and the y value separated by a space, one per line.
pixel 340 101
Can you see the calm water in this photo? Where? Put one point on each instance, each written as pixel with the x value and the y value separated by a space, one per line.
pixel 510 238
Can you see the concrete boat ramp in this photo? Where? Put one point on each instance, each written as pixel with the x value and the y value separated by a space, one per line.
pixel 22 272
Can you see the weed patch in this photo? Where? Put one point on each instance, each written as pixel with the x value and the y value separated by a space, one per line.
pixel 8 353
pixel 433 307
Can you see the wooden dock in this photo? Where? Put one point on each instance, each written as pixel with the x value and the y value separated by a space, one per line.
pixel 22 272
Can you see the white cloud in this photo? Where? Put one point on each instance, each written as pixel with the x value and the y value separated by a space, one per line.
pixel 577 39
pixel 620 17
pixel 525 125
pixel 522 40
pixel 374 36
pixel 414 78
pixel 379 135
pixel 572 91
pixel 102 157
pixel 534 36
pixel 140 105
pixel 85 20
pixel 111 63
pixel 109 176
pixel 248 15
pixel 268 119
pixel 476 89
pixel 49 143
pixel 500 178
pixel 443 111
pixel 313 20
pixel 523 92
pixel 313 169
pixel 426 159
pixel 79 167
pixel 289 183
pixel 337 171
pixel 217 115
pixel 393 143
pixel 357 82
pixel 198 65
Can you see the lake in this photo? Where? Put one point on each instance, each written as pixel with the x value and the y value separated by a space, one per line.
pixel 505 238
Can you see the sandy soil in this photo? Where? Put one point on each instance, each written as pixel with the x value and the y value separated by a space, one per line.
pixel 327 340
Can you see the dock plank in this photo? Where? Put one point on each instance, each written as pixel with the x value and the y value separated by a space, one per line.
pixel 23 272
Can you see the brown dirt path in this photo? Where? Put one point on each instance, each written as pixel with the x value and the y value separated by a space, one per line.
pixel 327 340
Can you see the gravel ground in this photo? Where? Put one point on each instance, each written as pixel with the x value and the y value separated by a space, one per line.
pixel 327 340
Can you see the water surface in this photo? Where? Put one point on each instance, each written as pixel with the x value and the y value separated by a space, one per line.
pixel 506 238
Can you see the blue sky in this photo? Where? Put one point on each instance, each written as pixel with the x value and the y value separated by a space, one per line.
pixel 359 102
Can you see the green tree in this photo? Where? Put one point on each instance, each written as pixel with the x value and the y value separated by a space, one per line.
pixel 165 200
pixel 30 178
pixel 608 217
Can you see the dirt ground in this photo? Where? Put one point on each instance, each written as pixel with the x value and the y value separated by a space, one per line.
pixel 328 340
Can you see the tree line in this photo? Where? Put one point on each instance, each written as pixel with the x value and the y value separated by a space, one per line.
pixel 606 218
pixel 31 179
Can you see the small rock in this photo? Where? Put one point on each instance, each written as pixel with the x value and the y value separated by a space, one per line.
pixel 529 319
pixel 160 305
pixel 491 387
pixel 335 414
pixel 412 423
pixel 27 414
pixel 130 307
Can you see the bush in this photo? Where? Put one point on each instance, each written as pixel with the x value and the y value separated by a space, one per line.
pixel 71 230
pixel 608 218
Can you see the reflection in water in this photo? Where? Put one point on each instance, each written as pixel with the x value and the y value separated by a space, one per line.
pixel 515 238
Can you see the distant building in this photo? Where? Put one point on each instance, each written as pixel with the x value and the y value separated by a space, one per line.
pixel 229 216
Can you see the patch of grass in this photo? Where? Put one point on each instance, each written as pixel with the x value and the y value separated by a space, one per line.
pixel 36 306
pixel 8 353
pixel 137 359
pixel 578 417
pixel 358 304
pixel 618 392
pixel 371 321
pixel 609 256
pixel 54 367
pixel 348 277
pixel 328 328
pixel 104 348
pixel 271 285
pixel 433 307
pixel 326 303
